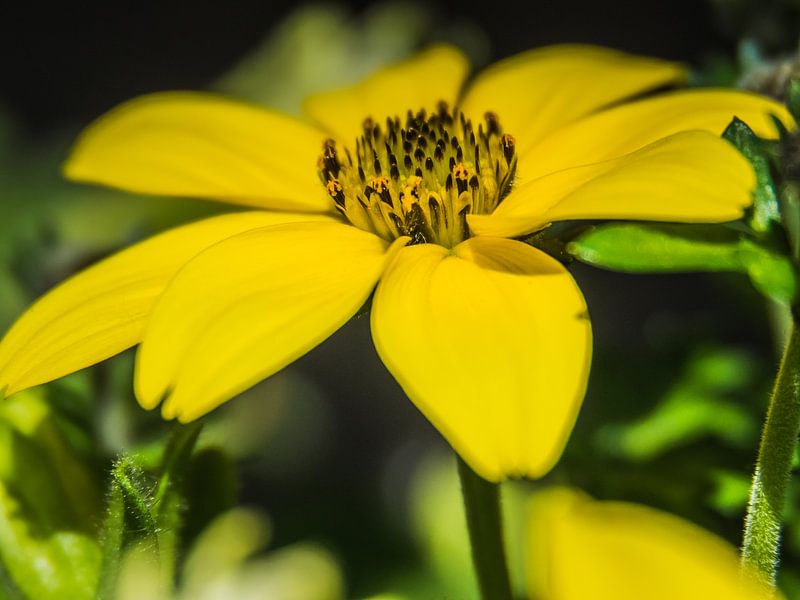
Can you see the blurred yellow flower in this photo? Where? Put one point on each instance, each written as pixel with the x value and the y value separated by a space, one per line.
pixel 409 181
pixel 579 548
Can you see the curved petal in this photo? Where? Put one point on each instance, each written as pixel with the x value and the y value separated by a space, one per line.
pixel 626 551
pixel 539 91
pixel 492 344
pixel 102 310
pixel 249 306
pixel 626 128
pixel 420 82
pixel 204 146
pixel 691 176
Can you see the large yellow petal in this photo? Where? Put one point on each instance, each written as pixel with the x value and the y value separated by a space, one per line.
pixel 580 549
pixel 539 91
pixel 492 343
pixel 420 82
pixel 102 310
pixel 204 146
pixel 249 306
pixel 691 176
pixel 628 127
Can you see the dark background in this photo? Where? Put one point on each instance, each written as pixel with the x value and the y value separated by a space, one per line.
pixel 72 62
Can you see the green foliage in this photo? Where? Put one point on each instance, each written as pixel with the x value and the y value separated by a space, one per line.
pixel 48 500
pixel 765 209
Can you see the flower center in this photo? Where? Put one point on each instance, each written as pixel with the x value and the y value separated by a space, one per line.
pixel 421 177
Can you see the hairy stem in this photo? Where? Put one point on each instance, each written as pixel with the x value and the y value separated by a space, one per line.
pixel 760 550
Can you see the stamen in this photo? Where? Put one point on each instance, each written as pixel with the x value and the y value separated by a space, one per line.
pixel 421 177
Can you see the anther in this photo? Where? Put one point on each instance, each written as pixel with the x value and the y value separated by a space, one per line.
pixel 507 142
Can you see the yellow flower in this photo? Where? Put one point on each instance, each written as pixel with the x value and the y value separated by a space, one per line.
pixel 579 548
pixel 404 183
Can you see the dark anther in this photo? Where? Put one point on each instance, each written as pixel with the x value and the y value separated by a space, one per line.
pixel 429 164
pixel 459 154
pixel 394 173
pixel 408 162
pixel 426 129
pixel 419 154
pixel 412 134
pixel 422 142
pixel 336 191
pixel 386 196
pixel 376 131
pixel 492 124
pixel 473 182
pixel 377 166
pixel 433 205
pixel 368 190
pixel 438 154
pixel 471 138
pixel 361 174
pixel 448 183
pixel 367 125
pixel 454 142
pixel 407 146
pixel 443 109
pixel 507 143
pixel 452 163
pixel 478 159
pixel 418 172
pixel 398 222
pixel 330 162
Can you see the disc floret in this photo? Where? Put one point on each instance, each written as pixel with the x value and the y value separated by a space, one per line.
pixel 421 177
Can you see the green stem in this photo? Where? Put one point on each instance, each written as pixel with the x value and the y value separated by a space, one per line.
pixel 760 551
pixel 485 524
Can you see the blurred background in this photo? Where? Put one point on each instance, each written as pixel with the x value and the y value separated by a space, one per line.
pixel 349 491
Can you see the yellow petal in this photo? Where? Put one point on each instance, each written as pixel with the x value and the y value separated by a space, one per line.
pixel 249 306
pixel 492 343
pixel 420 82
pixel 102 310
pixel 581 549
pixel 541 90
pixel 691 176
pixel 204 146
pixel 628 127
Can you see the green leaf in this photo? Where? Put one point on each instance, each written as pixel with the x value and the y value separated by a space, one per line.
pixel 47 503
pixel 665 248
pixel 772 273
pixel 765 199
pixel 654 248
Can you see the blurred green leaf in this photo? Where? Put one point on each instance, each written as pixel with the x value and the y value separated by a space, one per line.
pixel 773 274
pixel 765 199
pixel 696 406
pixel 731 491
pixel 653 248
pixel 47 505
pixel 663 248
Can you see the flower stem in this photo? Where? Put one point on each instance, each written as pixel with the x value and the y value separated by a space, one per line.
pixel 485 524
pixel 771 478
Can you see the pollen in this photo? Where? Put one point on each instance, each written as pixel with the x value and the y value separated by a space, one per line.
pixel 420 177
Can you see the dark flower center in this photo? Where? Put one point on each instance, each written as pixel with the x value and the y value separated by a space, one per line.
pixel 421 177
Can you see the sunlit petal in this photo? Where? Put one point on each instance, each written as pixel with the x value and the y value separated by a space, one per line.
pixel 204 146
pixel 539 91
pixel 628 127
pixel 419 82
pixel 102 310
pixel 692 176
pixel 581 549
pixel 249 306
pixel 492 343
